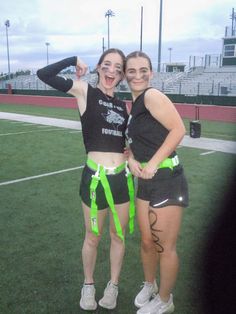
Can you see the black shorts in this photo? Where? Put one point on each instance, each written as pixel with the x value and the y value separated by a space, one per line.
pixel 118 185
pixel 167 187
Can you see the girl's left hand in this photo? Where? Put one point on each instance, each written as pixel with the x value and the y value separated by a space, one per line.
pixel 148 171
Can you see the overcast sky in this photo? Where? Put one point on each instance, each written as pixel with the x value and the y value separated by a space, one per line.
pixel 75 27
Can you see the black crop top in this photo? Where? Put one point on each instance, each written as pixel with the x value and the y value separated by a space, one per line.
pixel 104 122
pixel 105 118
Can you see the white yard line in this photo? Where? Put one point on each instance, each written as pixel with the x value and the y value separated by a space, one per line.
pixel 26 132
pixel 15 122
pixel 41 126
pixel 28 124
pixel 40 176
pixel 208 153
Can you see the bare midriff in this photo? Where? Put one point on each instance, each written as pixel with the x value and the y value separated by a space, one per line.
pixel 107 159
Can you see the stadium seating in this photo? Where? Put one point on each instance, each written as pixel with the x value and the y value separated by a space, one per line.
pixel 196 81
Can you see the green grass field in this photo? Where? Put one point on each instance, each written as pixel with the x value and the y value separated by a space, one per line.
pixel 41 221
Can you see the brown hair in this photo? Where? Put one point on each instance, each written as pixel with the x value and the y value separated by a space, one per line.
pixel 112 50
pixel 136 54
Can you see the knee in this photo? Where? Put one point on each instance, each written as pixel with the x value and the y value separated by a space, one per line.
pixel 169 251
pixel 92 240
pixel 115 238
pixel 147 244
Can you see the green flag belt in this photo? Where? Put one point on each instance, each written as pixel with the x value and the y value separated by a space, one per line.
pixel 166 163
pixel 101 175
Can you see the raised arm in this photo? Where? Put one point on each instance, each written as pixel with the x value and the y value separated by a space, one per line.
pixel 49 75
pixel 77 88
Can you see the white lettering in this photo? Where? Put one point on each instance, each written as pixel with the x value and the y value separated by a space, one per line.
pixel 111 132
pixel 104 103
pixel 109 105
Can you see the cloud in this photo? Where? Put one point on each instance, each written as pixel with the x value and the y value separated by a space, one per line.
pixel 75 27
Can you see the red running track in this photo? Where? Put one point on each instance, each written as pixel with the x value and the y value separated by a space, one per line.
pixel 206 112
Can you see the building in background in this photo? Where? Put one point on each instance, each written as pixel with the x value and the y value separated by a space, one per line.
pixel 229 43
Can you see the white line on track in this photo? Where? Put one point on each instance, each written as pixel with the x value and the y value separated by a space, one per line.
pixel 40 176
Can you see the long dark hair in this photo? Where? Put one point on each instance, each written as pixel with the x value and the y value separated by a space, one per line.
pixel 136 54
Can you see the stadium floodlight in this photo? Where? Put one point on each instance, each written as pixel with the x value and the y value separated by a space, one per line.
pixel 47 44
pixel 7 24
pixel 108 14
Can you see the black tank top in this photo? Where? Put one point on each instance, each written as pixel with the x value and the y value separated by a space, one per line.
pixel 104 122
pixel 144 133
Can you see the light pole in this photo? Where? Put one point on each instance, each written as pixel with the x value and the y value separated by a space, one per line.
pixel 7 24
pixel 108 14
pixel 141 30
pixel 47 44
pixel 233 17
pixel 103 45
pixel 159 43
pixel 170 49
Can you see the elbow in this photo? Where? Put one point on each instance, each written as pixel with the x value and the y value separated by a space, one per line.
pixel 42 75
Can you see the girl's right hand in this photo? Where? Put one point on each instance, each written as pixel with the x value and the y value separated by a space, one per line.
pixel 135 167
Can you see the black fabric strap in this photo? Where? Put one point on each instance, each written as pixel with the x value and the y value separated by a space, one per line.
pixel 49 75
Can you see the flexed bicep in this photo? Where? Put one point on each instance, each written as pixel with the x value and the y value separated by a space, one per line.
pixel 49 74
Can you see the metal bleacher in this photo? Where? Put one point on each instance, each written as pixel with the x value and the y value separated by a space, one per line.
pixel 33 82
pixel 204 81
pixel 196 81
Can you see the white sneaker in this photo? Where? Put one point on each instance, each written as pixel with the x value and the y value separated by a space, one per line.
pixel 149 289
pixel 157 306
pixel 87 301
pixel 110 295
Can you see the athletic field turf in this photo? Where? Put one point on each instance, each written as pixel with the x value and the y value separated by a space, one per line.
pixel 41 222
